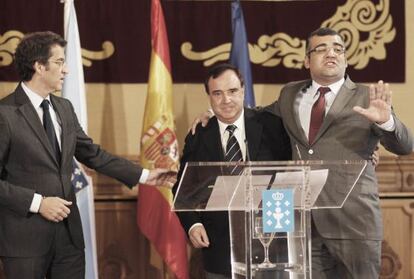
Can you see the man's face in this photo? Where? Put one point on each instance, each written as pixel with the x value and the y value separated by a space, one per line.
pixel 326 59
pixel 226 96
pixel 55 70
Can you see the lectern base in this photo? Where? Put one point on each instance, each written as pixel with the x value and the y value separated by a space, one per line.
pixel 273 271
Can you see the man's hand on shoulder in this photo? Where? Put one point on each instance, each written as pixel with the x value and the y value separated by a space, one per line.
pixel 203 118
pixel 54 209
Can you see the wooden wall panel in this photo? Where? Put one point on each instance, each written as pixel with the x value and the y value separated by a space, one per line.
pixel 123 252
pixel 398 244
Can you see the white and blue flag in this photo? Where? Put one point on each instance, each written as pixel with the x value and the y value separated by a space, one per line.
pixel 74 90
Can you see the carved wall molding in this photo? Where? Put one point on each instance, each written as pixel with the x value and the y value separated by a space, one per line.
pixel 390 262
pixel 396 175
pixel 398 246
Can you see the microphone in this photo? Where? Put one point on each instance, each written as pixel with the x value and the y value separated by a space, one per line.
pixel 248 159
pixel 246 143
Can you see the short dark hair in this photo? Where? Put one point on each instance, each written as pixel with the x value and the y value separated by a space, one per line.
pixel 320 32
pixel 217 70
pixel 35 47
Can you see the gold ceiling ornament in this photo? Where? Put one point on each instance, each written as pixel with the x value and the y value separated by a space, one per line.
pixel 354 20
pixel 10 40
pixel 358 19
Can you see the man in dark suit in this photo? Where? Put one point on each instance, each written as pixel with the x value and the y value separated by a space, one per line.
pixel 346 242
pixel 40 227
pixel 267 141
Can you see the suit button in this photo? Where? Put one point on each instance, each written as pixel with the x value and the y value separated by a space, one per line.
pixel 310 151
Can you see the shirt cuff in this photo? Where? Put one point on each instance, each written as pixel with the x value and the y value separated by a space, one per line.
pixel 388 126
pixel 193 226
pixel 144 176
pixel 35 205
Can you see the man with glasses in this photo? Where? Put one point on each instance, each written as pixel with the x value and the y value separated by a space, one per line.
pixel 40 227
pixel 235 133
pixel 329 117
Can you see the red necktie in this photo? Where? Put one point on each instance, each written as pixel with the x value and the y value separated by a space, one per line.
pixel 317 114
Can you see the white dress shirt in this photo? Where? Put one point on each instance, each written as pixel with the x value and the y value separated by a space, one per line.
pixel 239 133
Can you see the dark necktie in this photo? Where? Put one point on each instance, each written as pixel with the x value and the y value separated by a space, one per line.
pixel 233 151
pixel 50 130
pixel 317 114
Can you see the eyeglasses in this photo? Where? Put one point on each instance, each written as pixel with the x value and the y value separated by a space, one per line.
pixel 338 49
pixel 60 63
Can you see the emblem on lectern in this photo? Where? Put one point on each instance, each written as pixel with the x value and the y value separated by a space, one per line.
pixel 278 211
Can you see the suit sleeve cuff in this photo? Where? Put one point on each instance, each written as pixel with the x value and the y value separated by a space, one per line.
pixel 193 226
pixel 35 205
pixel 388 126
pixel 144 176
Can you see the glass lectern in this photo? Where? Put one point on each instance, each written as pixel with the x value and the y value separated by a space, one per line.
pixel 260 248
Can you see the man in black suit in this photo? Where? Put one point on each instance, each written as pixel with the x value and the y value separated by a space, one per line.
pixel 40 227
pixel 267 141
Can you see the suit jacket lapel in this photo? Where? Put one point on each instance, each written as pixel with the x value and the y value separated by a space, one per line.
pixel 292 120
pixel 345 94
pixel 212 140
pixel 29 113
pixel 253 131
pixel 62 122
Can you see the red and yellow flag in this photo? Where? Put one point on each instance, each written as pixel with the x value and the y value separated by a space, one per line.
pixel 159 148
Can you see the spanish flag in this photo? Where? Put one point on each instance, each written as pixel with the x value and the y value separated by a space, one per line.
pixel 159 148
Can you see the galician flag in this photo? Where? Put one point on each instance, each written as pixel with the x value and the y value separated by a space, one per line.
pixel 74 90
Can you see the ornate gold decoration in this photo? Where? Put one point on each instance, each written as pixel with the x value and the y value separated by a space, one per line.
pixel 362 18
pixel 10 40
pixel 8 44
pixel 354 20
pixel 270 51
pixel 108 49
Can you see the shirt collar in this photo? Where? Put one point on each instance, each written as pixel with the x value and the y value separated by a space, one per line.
pixel 239 124
pixel 335 87
pixel 34 98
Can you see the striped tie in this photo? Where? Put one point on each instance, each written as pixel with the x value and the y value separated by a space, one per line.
pixel 233 151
